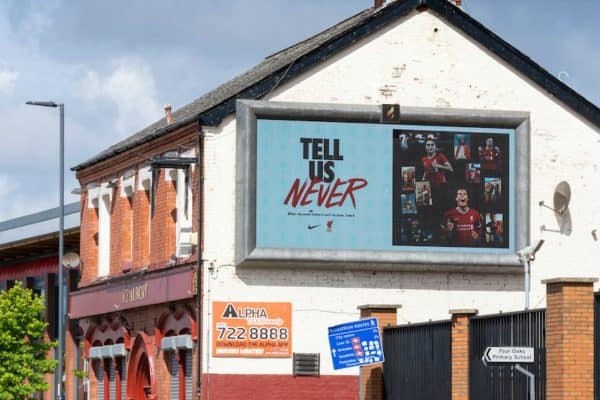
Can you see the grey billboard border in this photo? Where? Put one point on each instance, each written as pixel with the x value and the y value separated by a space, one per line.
pixel 246 252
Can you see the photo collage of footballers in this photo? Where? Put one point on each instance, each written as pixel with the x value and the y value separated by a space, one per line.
pixel 450 189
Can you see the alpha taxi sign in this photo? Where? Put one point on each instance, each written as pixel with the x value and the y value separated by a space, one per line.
pixel 508 355
pixel 250 329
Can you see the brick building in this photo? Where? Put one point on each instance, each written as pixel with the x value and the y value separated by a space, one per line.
pixel 175 201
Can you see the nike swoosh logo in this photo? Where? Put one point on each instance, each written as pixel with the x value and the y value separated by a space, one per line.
pixel 313 226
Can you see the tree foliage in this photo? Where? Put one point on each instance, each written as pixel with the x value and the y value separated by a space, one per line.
pixel 23 351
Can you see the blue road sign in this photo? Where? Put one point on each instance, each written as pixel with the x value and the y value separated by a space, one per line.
pixel 355 343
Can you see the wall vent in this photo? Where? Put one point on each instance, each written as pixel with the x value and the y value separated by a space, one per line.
pixel 307 364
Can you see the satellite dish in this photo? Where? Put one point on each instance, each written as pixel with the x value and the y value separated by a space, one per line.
pixel 562 197
pixel 71 260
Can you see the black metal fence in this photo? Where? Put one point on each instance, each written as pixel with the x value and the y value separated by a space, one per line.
pixel 520 329
pixel 417 361
pixel 596 346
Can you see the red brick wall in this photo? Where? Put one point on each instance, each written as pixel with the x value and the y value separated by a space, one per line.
pixel 125 253
pixel 88 242
pixel 141 229
pixel 163 236
pixel 278 387
pixel 70 364
pixel 570 339
pixel 123 215
pixel 116 210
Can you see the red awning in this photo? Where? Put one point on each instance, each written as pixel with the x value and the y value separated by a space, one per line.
pixel 29 269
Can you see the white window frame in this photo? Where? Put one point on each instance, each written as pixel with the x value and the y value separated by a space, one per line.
pixel 184 203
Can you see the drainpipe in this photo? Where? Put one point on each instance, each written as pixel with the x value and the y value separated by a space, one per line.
pixel 199 262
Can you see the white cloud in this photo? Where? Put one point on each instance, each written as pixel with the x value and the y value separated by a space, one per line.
pixel 8 78
pixel 131 88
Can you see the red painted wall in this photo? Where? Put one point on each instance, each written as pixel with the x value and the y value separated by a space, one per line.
pixel 278 387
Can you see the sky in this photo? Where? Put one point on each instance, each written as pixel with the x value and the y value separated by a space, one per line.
pixel 115 64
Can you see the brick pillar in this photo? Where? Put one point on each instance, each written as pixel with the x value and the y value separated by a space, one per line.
pixel 141 229
pixel 570 338
pixel 461 352
pixel 163 222
pixel 70 364
pixel 116 237
pixel 88 242
pixel 371 376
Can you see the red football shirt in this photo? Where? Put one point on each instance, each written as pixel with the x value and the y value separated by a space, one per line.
pixel 465 223
pixel 433 175
pixel 489 158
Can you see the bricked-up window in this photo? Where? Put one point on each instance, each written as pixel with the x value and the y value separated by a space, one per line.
pixel 100 197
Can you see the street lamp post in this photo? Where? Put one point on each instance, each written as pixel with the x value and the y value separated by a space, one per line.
pixel 61 239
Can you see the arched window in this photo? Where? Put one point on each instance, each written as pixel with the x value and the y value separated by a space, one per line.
pixel 108 356
pixel 176 335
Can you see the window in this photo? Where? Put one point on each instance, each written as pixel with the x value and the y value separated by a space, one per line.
pixel 184 184
pixel 184 212
pixel 187 363
pixel 179 358
pixel 122 364
pixel 109 364
pixel 112 380
pixel 174 372
pixel 99 372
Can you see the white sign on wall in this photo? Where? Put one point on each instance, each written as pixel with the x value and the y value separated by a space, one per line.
pixel 508 355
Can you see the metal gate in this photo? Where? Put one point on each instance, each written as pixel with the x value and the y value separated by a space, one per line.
pixel 526 329
pixel 417 361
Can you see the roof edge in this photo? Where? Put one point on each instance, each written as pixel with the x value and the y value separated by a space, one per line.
pixel 40 216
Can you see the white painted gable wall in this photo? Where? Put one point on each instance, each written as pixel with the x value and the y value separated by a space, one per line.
pixel 415 66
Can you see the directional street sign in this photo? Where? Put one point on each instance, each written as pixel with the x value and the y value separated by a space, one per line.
pixel 355 343
pixel 508 355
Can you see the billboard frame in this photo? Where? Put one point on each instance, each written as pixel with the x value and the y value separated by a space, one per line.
pixel 246 252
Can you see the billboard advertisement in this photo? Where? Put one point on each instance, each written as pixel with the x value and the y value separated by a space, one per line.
pixel 251 329
pixel 383 187
pixel 343 184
